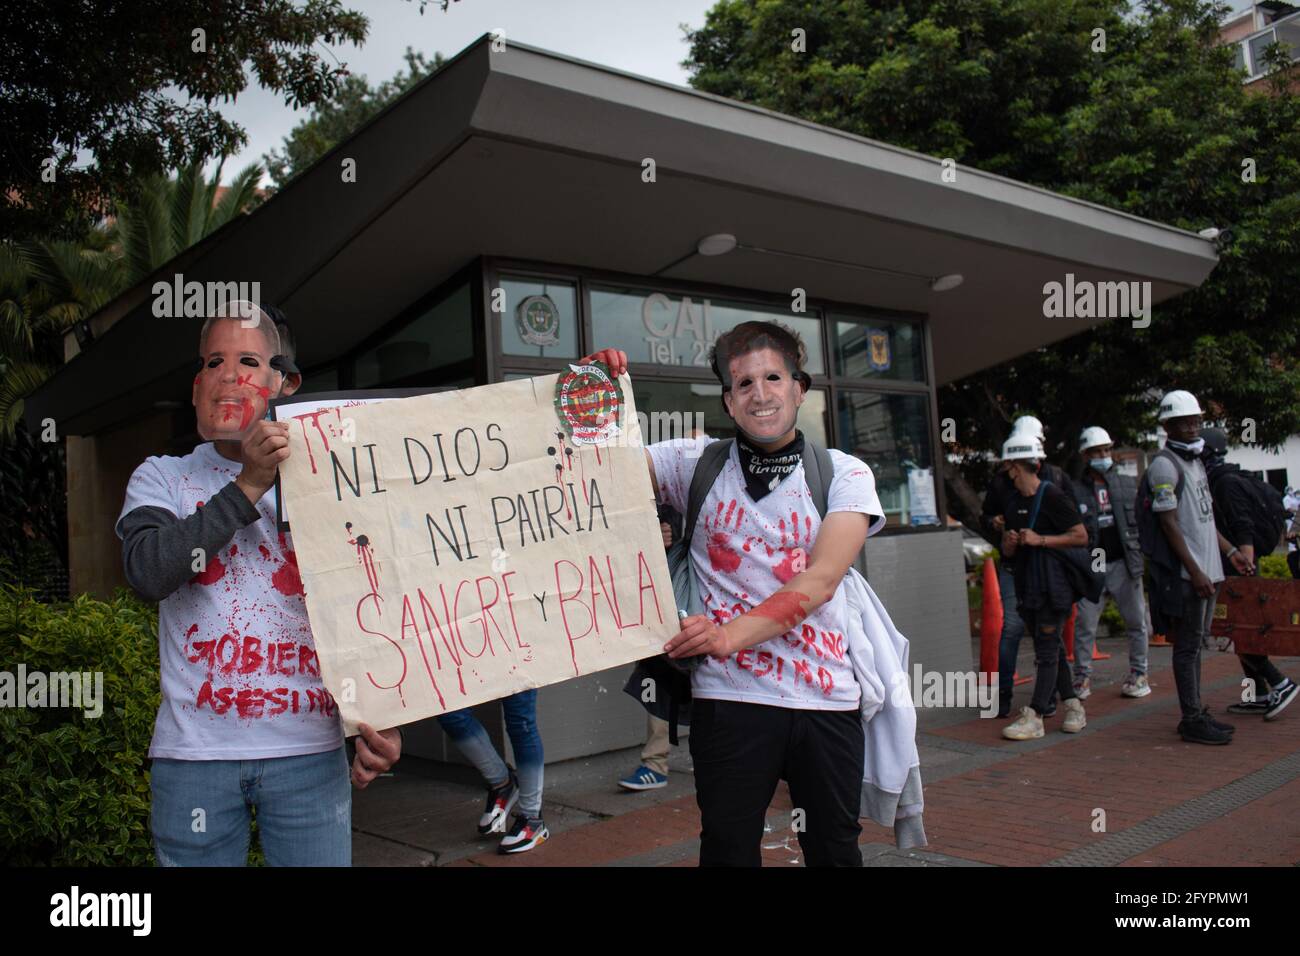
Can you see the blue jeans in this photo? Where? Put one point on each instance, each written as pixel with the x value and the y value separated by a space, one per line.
pixel 1013 629
pixel 521 724
pixel 202 809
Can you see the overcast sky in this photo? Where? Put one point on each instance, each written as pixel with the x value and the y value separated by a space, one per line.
pixel 639 36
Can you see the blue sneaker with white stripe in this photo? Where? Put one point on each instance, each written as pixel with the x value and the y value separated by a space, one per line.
pixel 643 778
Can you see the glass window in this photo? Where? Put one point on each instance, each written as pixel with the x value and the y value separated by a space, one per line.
pixel 538 318
pixel 321 380
pixel 677 409
pixel 435 348
pixel 877 348
pixel 679 330
pixel 1257 47
pixel 891 433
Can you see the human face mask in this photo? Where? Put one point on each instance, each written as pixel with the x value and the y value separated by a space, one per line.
pixel 764 396
pixel 235 381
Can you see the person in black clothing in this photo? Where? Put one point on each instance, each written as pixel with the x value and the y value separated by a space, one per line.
pixel 1234 514
pixel 1041 516
pixel 992 524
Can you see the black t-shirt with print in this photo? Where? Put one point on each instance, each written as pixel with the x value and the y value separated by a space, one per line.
pixel 1041 581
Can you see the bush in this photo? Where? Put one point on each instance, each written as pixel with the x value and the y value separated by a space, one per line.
pixel 1113 619
pixel 74 790
pixel 1274 566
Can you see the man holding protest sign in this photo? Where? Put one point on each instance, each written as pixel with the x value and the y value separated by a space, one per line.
pixel 245 721
pixel 775 695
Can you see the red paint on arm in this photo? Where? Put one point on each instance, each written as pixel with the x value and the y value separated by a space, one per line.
pixel 784 607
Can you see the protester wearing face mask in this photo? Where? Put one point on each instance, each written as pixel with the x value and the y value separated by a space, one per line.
pixel 992 523
pixel 1039 517
pixel 1112 496
pixel 1187 566
pixel 244 720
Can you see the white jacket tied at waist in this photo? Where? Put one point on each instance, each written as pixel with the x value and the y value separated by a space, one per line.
pixel 891 785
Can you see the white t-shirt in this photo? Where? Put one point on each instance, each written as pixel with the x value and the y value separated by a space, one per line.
pixel 745 551
pixel 240 676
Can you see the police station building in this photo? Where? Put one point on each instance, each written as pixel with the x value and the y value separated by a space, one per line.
pixel 519 209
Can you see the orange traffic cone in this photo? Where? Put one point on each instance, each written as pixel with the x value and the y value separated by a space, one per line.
pixel 990 621
pixel 1159 640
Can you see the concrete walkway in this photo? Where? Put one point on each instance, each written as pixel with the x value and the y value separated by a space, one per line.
pixel 1124 792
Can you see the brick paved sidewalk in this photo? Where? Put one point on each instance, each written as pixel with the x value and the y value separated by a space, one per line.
pixel 988 801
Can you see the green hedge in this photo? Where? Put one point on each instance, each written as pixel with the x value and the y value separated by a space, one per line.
pixel 1274 566
pixel 74 790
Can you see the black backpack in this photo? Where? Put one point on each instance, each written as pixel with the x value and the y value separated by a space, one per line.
pixel 1150 538
pixel 1268 515
pixel 671 678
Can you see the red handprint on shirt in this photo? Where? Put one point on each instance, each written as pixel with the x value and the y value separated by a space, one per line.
pixel 722 554
pixel 794 552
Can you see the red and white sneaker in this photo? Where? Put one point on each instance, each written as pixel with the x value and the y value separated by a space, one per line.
pixel 524 835
pixel 500 801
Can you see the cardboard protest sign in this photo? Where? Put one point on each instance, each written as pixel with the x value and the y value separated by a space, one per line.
pixel 336 425
pixel 467 545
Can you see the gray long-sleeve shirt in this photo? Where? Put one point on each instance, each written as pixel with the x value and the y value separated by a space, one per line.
pixel 159 549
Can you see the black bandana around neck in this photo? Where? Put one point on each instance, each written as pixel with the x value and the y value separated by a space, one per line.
pixel 764 470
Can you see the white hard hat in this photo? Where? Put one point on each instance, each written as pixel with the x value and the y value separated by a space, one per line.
pixel 1022 446
pixel 1092 437
pixel 1029 424
pixel 1177 404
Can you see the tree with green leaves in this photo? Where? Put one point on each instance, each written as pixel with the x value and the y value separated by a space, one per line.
pixel 136 85
pixel 337 118
pixel 1147 116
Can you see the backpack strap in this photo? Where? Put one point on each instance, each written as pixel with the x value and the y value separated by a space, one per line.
pixel 706 473
pixel 1038 500
pixel 818 472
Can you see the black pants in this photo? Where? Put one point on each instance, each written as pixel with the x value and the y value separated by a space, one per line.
pixel 1053 678
pixel 740 751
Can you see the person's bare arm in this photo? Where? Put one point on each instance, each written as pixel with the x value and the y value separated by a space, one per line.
pixel 1076 537
pixel 1241 556
pixel 1178 544
pixel 839 540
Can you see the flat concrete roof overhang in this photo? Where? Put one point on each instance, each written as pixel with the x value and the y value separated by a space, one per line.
pixel 531 155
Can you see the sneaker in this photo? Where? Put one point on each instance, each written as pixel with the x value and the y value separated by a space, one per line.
pixel 1136 686
pixel 1083 688
pixel 1075 719
pixel 1217 724
pixel 527 833
pixel 1025 727
pixel 500 801
pixel 1281 696
pixel 1197 730
pixel 643 778
pixel 1256 708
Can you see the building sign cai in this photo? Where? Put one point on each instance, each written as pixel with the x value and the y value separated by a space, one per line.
pixel 677 334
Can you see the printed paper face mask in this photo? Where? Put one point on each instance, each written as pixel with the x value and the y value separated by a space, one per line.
pixel 235 380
